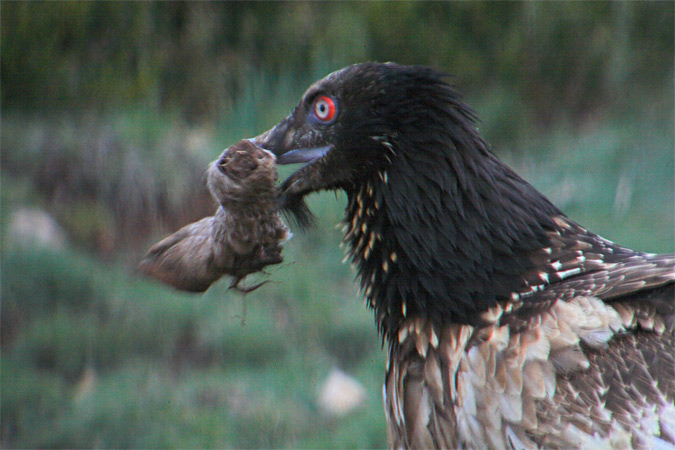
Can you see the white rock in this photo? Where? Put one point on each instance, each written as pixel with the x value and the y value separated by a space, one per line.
pixel 340 394
pixel 33 226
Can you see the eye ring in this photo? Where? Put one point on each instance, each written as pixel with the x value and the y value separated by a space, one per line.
pixel 324 108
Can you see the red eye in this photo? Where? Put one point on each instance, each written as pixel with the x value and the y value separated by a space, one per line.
pixel 324 108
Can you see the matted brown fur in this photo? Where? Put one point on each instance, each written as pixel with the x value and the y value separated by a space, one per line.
pixel 244 236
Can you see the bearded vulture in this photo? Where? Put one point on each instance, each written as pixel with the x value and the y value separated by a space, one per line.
pixel 507 324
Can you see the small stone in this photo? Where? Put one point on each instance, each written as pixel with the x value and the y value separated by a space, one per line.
pixel 340 394
pixel 33 226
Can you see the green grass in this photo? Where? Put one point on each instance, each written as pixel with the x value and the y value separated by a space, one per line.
pixel 616 181
pixel 179 371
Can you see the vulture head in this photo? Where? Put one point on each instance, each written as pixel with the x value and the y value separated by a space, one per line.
pixel 348 126
pixel 437 226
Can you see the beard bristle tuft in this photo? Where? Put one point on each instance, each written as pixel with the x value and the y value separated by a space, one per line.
pixel 295 209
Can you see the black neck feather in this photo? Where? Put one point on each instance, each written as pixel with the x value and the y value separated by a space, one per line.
pixel 444 230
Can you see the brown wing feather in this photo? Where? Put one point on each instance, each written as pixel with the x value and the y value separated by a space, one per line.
pixel 585 372
pixel 580 263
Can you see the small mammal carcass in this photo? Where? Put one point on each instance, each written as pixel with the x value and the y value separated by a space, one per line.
pixel 244 236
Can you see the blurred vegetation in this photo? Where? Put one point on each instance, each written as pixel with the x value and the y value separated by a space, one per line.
pixel 197 57
pixel 111 112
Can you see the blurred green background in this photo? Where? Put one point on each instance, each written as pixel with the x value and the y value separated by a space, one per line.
pixel 111 112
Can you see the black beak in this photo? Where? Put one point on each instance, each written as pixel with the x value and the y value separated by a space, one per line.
pixel 273 139
pixel 281 141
